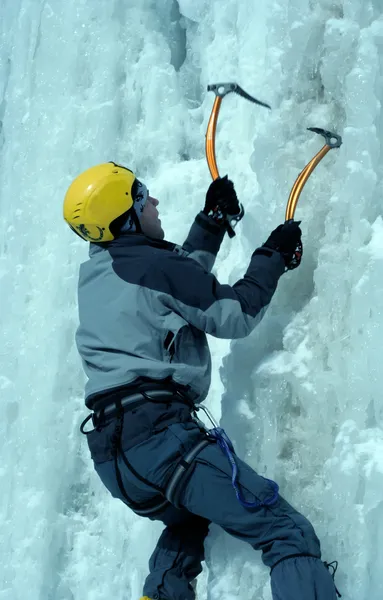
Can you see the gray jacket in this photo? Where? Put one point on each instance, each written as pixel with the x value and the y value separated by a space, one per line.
pixel 146 305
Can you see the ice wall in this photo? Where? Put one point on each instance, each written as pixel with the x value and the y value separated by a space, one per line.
pixel 83 82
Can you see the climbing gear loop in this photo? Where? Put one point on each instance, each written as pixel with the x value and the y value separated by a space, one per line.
pixel 85 421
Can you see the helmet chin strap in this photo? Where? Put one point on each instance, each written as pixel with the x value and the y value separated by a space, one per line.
pixel 132 223
pixel 136 220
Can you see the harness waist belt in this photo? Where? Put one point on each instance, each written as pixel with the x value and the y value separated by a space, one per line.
pixel 133 401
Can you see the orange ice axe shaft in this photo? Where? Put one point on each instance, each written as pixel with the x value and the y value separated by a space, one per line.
pixel 332 141
pixel 221 90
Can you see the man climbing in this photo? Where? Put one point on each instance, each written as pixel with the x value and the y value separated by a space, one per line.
pixel 145 306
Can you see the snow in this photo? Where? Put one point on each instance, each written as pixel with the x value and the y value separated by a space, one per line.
pixel 86 81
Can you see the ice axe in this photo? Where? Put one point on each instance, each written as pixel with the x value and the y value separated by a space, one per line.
pixel 333 140
pixel 221 90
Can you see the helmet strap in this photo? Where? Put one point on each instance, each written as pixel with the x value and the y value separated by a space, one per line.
pixel 136 220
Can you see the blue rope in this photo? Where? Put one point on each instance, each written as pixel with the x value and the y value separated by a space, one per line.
pixel 227 448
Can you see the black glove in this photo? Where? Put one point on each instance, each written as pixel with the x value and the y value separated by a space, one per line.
pixel 286 239
pixel 221 200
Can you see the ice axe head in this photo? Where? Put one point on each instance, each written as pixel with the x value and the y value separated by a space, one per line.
pixel 332 139
pixel 222 89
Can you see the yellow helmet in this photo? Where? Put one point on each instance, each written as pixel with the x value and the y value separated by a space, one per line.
pixel 96 198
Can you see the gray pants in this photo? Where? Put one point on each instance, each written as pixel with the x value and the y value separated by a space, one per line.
pixel 278 531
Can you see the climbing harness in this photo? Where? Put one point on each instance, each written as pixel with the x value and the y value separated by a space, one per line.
pixel 117 409
pixel 219 435
pixel 149 392
pixel 221 90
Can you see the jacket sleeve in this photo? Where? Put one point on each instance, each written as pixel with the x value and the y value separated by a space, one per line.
pixel 204 241
pixel 223 311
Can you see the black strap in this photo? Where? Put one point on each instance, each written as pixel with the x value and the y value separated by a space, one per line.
pixel 82 426
pixel 334 569
pixel 144 508
pixel 144 390
pixel 175 485
pixel 136 220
